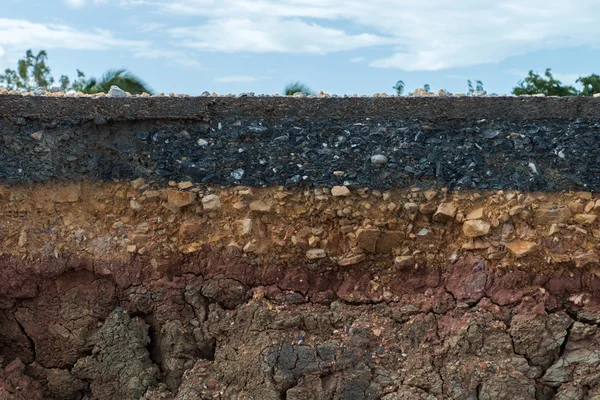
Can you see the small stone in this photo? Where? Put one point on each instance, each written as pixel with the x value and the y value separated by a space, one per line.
pixel 37 135
pixel 22 239
pixel 40 91
pixel 428 208
pixel 202 143
pixel 185 185
pixel 404 261
pixel 521 248
pixel 116 91
pixel 338 173
pixel 379 159
pixel 549 214
pixel 251 246
pixel 516 210
pixel 445 212
pixel 211 202
pixel 367 239
pixel 135 205
pixel 340 191
pixel 190 229
pixel 132 248
pixel 138 183
pixel 585 219
pixel 260 206
pixel 351 260
pixel 475 214
pixel 585 259
pixel 476 228
pixel 238 174
pixel 313 241
pixel 179 199
pixel 411 209
pixel 245 227
pixel 315 254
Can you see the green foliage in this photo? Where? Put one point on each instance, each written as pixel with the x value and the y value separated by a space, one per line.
pixel 117 77
pixel 427 87
pixel 399 87
pixel 547 84
pixel 296 87
pixel 33 72
pixel 590 84
pixel 478 86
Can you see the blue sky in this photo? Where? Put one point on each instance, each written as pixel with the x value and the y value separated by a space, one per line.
pixel 338 46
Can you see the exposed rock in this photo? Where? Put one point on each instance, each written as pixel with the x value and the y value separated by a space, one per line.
pixel 428 208
pixel 549 214
pixel 585 219
pixel 445 212
pixel 476 228
pixel 260 206
pixel 379 159
pixel 404 261
pixel 475 214
pixel 315 254
pixel 179 199
pixel 351 260
pixel 212 202
pixel 340 191
pixel 586 259
pixel 388 241
pixel 521 248
pixel 367 239
pixel 116 91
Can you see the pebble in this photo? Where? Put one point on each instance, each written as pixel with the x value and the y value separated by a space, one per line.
pixel 404 261
pixel 203 143
pixel 340 191
pixel 238 174
pixel 379 159
pixel 212 202
pixel 476 228
pixel 260 206
pixel 521 248
pixel 445 212
pixel 315 254
pixel 585 219
pixel 179 199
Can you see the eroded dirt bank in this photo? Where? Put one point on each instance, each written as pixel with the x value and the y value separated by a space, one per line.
pixel 136 290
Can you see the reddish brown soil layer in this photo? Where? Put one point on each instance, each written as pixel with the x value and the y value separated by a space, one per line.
pixel 106 292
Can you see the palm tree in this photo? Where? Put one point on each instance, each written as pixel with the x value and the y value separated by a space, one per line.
pixel 117 77
pixel 399 87
pixel 296 87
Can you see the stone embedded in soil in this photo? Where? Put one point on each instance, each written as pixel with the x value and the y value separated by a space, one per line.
pixel 404 261
pixel 179 199
pixel 315 254
pixel 475 214
pixel 476 228
pixel 585 219
pixel 367 239
pixel 212 202
pixel 340 191
pixel 351 260
pixel 549 214
pixel 445 212
pixel 589 258
pixel 521 248
pixel 260 206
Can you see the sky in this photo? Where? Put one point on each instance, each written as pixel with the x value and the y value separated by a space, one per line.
pixel 337 46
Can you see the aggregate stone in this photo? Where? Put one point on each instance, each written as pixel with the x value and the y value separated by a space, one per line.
pixel 293 142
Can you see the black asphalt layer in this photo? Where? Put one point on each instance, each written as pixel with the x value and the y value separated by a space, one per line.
pixel 521 143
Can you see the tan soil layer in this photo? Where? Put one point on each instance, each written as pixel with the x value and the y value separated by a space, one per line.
pixel 129 290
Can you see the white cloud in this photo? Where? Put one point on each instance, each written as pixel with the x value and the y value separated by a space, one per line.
pixel 81 3
pixel 16 36
pixel 21 34
pixel 420 35
pixel 236 79
pixel 272 35
pixel 357 59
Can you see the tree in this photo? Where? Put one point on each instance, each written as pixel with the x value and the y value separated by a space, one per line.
pixel 296 87
pixel 117 77
pixel 478 86
pixel 33 72
pixel 426 87
pixel 590 84
pixel 548 85
pixel 399 87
